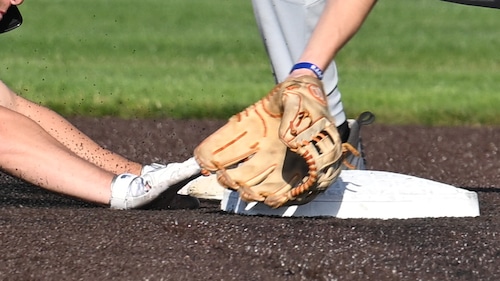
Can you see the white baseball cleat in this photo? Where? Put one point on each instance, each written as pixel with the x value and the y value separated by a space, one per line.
pixel 130 191
pixel 152 167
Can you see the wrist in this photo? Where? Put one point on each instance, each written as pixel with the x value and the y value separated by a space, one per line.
pixel 307 67
pixel 302 72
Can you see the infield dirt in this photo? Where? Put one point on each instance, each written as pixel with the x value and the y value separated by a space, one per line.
pixel 45 236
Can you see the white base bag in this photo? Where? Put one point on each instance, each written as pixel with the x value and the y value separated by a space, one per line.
pixel 372 195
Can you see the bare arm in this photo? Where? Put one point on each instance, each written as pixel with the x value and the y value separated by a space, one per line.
pixel 339 22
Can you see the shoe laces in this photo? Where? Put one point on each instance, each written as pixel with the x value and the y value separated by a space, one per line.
pixel 346 149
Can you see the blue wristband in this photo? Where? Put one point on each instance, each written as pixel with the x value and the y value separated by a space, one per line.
pixel 307 65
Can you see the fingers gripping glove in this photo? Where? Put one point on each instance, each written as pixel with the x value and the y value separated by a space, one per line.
pixel 309 130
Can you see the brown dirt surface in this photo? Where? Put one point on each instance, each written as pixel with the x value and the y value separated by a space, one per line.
pixel 45 236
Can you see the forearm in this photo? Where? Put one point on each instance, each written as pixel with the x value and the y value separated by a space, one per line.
pixel 338 23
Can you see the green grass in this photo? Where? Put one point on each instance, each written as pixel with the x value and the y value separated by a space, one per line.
pixel 425 62
pixel 153 58
pixel 420 62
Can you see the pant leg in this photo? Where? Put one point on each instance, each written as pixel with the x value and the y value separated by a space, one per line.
pixel 285 27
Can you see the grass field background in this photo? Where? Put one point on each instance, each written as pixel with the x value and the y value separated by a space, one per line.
pixel 413 62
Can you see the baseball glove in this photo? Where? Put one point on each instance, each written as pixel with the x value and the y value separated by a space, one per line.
pixel 282 150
